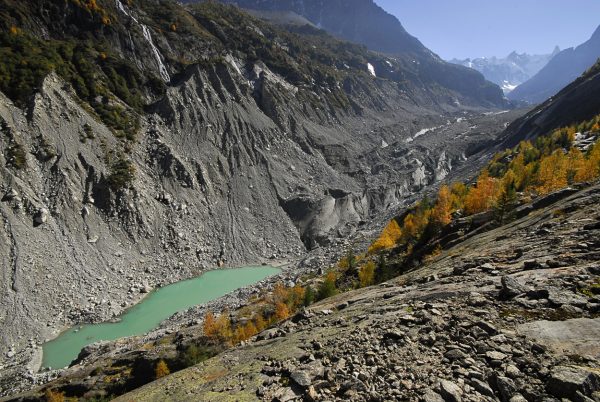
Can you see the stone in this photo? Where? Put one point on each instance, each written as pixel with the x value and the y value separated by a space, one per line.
pixel 41 216
pixel 513 372
pixel 494 355
pixel 301 378
pixel 511 288
pixel 10 195
pixel 455 354
pixel 518 398
pixel 450 391
pixel 432 396
pixel 566 381
pixel 487 267
pixel 558 297
pixel 393 335
pixel 506 388
pixel 531 264
pixel 482 388
pixel 487 327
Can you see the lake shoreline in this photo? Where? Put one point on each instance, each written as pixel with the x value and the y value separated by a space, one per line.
pixel 38 358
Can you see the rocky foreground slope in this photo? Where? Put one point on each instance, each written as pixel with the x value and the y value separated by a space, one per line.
pixel 511 314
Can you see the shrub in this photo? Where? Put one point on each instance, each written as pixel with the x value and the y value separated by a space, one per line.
pixel 54 396
pixel 16 155
pixel 328 287
pixel 218 329
pixel 194 354
pixel 122 174
pixel 161 370
pixel 309 296
pixel 366 275
pixel 282 311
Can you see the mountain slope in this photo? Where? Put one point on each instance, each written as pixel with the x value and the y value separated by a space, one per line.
pixel 511 71
pixel 364 22
pixel 564 68
pixel 577 102
pixel 509 331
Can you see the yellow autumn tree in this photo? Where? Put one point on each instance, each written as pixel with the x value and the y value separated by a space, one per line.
pixel 246 331
pixel 54 396
pixel 223 324
pixel 410 228
pixel 281 311
pixel 210 325
pixel 523 173
pixel 280 293
pixel 442 211
pixel 366 275
pixel 161 370
pixel 459 192
pixel 259 322
pixel 296 297
pixel 591 168
pixel 217 329
pixel 576 167
pixel 388 238
pixel 482 197
pixel 552 174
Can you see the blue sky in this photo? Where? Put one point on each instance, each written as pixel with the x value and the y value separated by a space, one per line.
pixel 475 28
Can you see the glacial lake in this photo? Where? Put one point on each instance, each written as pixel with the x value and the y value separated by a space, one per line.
pixel 152 310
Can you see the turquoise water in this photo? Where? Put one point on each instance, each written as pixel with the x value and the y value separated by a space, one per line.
pixel 152 310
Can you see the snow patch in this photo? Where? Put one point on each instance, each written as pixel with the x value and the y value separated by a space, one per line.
pixel 371 69
pixel 507 87
pixel 422 132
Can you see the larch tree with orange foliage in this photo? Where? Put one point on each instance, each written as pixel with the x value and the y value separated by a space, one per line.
pixel 210 325
pixel 591 168
pixel 442 211
pixel 54 396
pixel 282 311
pixel 161 370
pixel 366 275
pixel 259 322
pixel 482 197
pixel 552 174
pixel 388 238
pixel 245 332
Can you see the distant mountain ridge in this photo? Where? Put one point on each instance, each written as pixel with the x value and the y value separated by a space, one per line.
pixel 347 19
pixel 565 67
pixel 578 101
pixel 364 22
pixel 510 71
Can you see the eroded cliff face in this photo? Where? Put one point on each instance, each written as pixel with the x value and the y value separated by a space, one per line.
pixel 233 164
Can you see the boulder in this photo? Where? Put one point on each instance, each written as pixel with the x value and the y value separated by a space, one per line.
pixel 511 288
pixel 450 391
pixel 40 217
pixel 566 381
pixel 482 388
pixel 559 297
pixel 432 396
pixel 301 377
